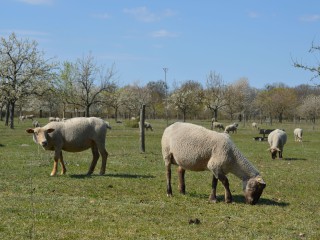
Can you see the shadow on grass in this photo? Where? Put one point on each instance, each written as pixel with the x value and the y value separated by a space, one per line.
pixel 294 159
pixel 1 145
pixel 117 175
pixel 240 199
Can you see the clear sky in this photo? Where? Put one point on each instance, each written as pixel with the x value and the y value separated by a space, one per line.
pixel 255 39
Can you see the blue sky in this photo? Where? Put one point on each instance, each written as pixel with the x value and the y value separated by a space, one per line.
pixel 254 39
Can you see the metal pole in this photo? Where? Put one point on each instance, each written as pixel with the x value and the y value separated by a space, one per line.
pixel 165 80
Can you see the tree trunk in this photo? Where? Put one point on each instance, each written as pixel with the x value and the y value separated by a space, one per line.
pixel 7 114
pixel 12 115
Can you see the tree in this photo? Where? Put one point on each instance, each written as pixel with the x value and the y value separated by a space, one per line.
pixel 23 71
pixel 82 82
pixel 313 69
pixel 158 94
pixel 187 98
pixel 214 94
pixel 310 107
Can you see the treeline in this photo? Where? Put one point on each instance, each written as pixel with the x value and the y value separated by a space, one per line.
pixel 31 84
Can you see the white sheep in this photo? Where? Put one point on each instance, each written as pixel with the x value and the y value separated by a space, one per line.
pixel 297 134
pixel 231 128
pixel 277 139
pixel 254 125
pixel 35 123
pixel 148 126
pixel 217 125
pixel 108 125
pixel 196 148
pixel 73 135
pixel 54 119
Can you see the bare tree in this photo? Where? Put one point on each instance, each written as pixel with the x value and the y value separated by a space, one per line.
pixel 83 83
pixel 214 94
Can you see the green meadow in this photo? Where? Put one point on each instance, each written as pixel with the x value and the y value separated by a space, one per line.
pixel 130 202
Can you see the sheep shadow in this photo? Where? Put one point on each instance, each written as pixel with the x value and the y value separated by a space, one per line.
pixel 115 175
pixel 1 145
pixel 239 199
pixel 294 159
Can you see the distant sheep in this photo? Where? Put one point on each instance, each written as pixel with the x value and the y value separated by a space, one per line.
pixel 297 134
pixel 196 148
pixel 54 119
pixel 218 125
pixel 231 128
pixel 108 125
pixel 35 123
pixel 148 126
pixel 254 125
pixel 277 139
pixel 73 135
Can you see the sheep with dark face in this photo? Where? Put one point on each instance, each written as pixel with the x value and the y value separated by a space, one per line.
pixel 231 128
pixel 277 139
pixel 73 135
pixel 196 148
pixel 217 125
pixel 148 126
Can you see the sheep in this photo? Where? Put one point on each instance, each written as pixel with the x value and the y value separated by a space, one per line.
pixel 73 135
pixel 217 125
pixel 35 123
pixel 277 139
pixel 298 134
pixel 231 128
pixel 196 148
pixel 148 126
pixel 54 119
pixel 108 125
pixel 254 125
pixel 22 118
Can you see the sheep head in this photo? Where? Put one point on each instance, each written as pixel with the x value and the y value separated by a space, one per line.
pixel 274 152
pixel 254 189
pixel 40 135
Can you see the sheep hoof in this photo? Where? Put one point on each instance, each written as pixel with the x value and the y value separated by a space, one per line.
pixel 169 195
pixel 52 174
pixel 213 200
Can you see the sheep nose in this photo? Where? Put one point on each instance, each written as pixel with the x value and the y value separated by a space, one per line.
pixel 44 143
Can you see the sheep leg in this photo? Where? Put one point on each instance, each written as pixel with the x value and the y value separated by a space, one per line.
pixel 57 155
pixel 182 185
pixel 213 196
pixel 227 196
pixel 95 157
pixel 169 189
pixel 64 170
pixel 104 154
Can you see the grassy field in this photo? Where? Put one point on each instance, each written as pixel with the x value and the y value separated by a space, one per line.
pixel 130 201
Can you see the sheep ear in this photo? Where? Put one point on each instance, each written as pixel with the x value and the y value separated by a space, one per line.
pixel 50 130
pixel 278 149
pixel 30 130
pixel 260 180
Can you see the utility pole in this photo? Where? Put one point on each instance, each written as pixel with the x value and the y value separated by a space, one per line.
pixel 166 93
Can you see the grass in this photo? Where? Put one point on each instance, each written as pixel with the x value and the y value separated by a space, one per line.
pixel 130 201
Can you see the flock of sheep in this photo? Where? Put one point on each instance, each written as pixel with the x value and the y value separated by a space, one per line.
pixel 189 146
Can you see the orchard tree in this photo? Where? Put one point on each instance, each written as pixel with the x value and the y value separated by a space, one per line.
pixel 88 83
pixel 214 94
pixel 187 98
pixel 158 92
pixel 23 71
pixel 310 108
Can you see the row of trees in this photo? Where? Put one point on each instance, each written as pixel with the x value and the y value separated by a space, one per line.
pixel 31 84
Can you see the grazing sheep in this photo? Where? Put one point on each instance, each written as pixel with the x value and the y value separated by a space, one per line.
pixel 73 135
pixel 108 125
pixel 196 148
pixel 231 128
pixel 217 125
pixel 298 134
pixel 36 123
pixel 277 139
pixel 22 118
pixel 148 126
pixel 29 117
pixel 254 125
